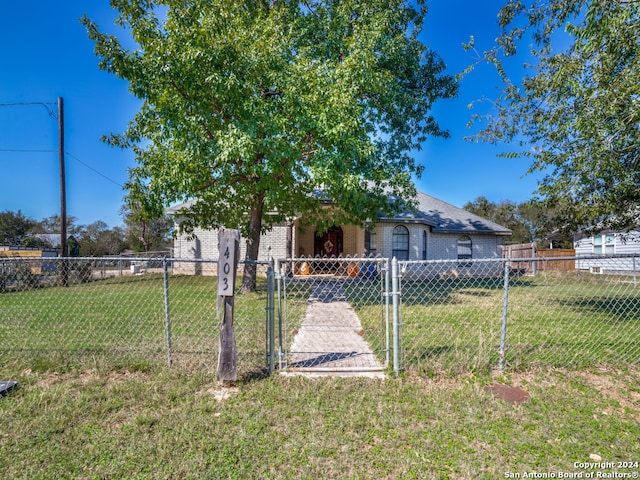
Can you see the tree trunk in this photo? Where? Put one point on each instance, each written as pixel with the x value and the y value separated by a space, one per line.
pixel 253 245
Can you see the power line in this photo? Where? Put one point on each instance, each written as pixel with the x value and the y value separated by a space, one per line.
pixel 94 170
pixel 47 105
pixel 15 104
pixel 11 104
pixel 27 150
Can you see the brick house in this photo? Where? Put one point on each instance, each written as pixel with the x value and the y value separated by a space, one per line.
pixel 436 231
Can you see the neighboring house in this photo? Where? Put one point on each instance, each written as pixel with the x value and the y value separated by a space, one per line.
pixel 437 230
pixel 625 246
pixel 52 241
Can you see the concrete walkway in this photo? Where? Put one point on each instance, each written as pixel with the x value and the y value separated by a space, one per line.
pixel 329 342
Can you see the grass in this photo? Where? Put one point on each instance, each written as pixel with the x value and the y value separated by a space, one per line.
pixel 162 423
pixel 447 325
pixel 368 301
pixel 108 408
pixel 551 320
pixel 122 320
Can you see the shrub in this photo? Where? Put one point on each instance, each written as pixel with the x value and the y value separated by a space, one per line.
pixel 81 272
pixel 25 278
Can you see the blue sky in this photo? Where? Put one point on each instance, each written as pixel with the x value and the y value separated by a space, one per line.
pixel 45 54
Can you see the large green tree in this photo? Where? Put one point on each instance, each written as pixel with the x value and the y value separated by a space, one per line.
pixel 97 239
pixel 14 227
pixel 505 213
pixel 576 112
pixel 52 225
pixel 530 221
pixel 143 232
pixel 252 107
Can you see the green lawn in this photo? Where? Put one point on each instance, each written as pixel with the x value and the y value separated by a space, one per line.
pixel 95 399
pixel 454 325
pixel 447 326
pixel 161 423
pixel 122 320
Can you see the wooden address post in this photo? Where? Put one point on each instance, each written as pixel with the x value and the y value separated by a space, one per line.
pixel 229 251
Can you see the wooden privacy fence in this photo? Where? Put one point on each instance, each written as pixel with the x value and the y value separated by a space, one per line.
pixel 565 265
pixel 529 251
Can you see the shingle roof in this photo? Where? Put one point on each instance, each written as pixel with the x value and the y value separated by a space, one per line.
pixel 442 217
pixel 446 218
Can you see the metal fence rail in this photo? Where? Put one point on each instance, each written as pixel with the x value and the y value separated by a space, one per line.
pixel 124 312
pixel 489 314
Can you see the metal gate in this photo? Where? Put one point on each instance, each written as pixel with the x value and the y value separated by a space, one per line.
pixel 333 314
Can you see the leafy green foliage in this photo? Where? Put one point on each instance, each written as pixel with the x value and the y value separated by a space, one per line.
pixel 14 226
pixel 253 107
pixel 52 225
pixel 97 239
pixel 504 213
pixel 35 242
pixel 145 232
pixel 531 221
pixel 576 114
pixel 142 233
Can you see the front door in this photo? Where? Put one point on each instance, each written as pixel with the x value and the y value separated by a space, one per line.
pixel 329 244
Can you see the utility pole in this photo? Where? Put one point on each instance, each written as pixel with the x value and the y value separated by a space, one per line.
pixel 64 274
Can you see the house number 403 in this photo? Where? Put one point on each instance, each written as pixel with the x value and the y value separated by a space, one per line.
pixel 226 268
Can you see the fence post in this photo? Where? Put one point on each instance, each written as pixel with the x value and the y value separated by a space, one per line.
pixel 279 281
pixel 387 332
pixel 395 293
pixel 229 254
pixel 505 304
pixel 167 315
pixel 635 272
pixel 270 318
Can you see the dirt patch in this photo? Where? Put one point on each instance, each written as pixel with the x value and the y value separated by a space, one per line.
pixel 507 393
pixel 615 385
pixel 219 393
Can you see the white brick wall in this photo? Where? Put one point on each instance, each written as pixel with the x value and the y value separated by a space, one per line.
pixel 273 244
pixel 204 245
pixel 439 246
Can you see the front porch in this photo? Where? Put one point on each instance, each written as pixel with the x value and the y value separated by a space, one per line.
pixel 337 242
pixel 338 252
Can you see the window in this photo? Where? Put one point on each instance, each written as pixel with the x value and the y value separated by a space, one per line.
pixel 604 244
pixel 465 251
pixel 609 243
pixel 597 244
pixel 370 243
pixel 424 244
pixel 400 243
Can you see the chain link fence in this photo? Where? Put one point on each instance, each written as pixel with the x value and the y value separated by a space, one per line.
pixel 118 312
pixel 517 315
pixel 432 317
